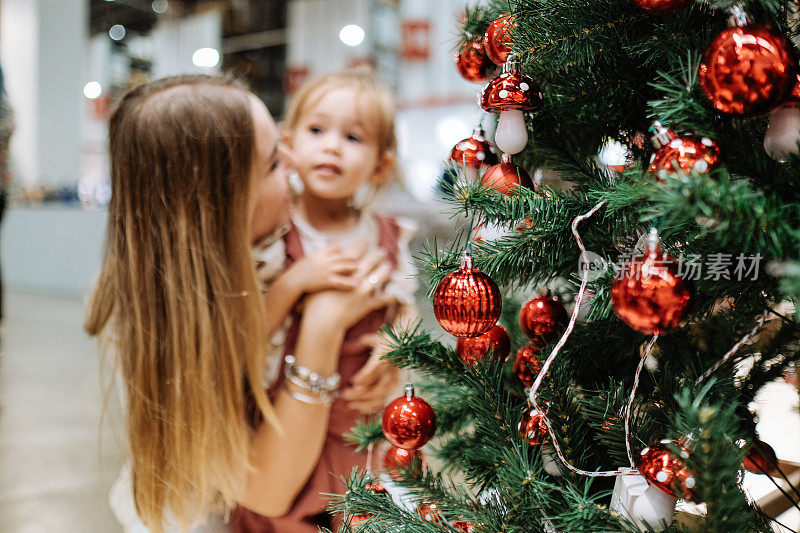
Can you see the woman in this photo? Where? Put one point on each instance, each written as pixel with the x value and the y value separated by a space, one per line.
pixel 185 318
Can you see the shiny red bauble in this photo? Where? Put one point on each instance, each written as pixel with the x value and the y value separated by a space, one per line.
pixel 467 302
pixel 429 511
pixel 662 7
pixel 532 427
pixel 748 70
pixel 375 487
pixel 399 459
pixel 409 422
pixel 474 151
pixel 543 317
pixel 666 469
pixel 473 63
pixel 505 177
pixel 687 152
pixel 356 520
pixel 526 364
pixel 511 90
pixel 474 349
pixel 497 41
pixel 650 295
pixel 760 459
pixel 464 527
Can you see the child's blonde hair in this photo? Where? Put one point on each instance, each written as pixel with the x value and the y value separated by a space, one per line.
pixel 374 100
pixel 178 292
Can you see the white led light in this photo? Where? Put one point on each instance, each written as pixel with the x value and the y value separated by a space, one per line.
pixel 92 90
pixel 205 57
pixel 352 35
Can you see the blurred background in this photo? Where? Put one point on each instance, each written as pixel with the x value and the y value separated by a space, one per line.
pixel 64 64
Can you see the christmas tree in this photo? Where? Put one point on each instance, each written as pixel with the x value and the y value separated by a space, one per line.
pixel 601 418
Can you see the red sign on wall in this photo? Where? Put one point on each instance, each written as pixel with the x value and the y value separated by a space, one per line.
pixel 416 43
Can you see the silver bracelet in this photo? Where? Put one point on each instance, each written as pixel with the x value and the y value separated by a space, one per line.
pixel 311 381
pixel 320 399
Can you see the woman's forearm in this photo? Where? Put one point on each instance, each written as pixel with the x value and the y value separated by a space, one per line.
pixel 283 461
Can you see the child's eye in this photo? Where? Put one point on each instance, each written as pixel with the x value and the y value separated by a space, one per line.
pixel 315 129
pixel 354 138
pixel 274 165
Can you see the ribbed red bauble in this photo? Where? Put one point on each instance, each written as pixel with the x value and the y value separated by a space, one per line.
pixel 409 422
pixel 760 458
pixel 474 349
pixel 473 63
pixel 543 317
pixel 649 294
pixel 532 427
pixel 748 70
pixel 505 177
pixel 497 41
pixel 526 364
pixel 662 7
pixel 467 302
pixel 398 458
pixel 666 469
pixel 687 152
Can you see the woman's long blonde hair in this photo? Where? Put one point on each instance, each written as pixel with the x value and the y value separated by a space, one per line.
pixel 178 292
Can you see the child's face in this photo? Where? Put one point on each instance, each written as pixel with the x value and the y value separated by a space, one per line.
pixel 271 166
pixel 335 148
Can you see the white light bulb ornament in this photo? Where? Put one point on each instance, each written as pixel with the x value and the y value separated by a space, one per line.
pixel 654 509
pixel 511 94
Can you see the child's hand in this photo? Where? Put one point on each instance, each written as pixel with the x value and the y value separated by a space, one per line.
pixel 374 382
pixel 328 269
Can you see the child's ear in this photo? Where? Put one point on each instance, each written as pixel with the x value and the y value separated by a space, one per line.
pixel 284 134
pixel 382 169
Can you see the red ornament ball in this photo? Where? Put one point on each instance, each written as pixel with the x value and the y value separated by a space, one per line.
pixel 467 302
pixel 649 295
pixel 375 487
pixel 356 520
pixel 465 527
pixel 760 458
pixel 474 349
pixel 397 459
pixel 497 41
pixel 662 7
pixel 474 151
pixel 505 177
pixel 526 365
pixel 688 152
pixel 543 317
pixel 429 511
pixel 409 422
pixel 473 63
pixel 748 70
pixel 532 427
pixel 666 469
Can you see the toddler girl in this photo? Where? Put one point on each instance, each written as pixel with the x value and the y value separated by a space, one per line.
pixel 341 130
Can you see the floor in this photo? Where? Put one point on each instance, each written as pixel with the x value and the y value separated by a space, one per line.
pixel 55 464
pixel 57 461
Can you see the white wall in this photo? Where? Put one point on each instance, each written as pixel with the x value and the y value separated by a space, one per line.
pixel 42 53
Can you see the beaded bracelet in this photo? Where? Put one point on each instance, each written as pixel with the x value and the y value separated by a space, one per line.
pixel 324 389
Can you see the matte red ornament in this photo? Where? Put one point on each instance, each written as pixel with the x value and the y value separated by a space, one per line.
pixel 429 511
pixel 760 458
pixel 688 152
pixel 662 7
pixel 649 294
pixel 409 422
pixel 543 317
pixel 511 90
pixel 497 41
pixel 532 427
pixel 526 364
pixel 474 349
pixel 473 63
pixel 474 151
pixel 467 302
pixel 506 177
pixel 398 458
pixel 748 70
pixel 666 469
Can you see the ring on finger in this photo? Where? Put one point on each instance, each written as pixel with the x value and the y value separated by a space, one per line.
pixel 374 282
